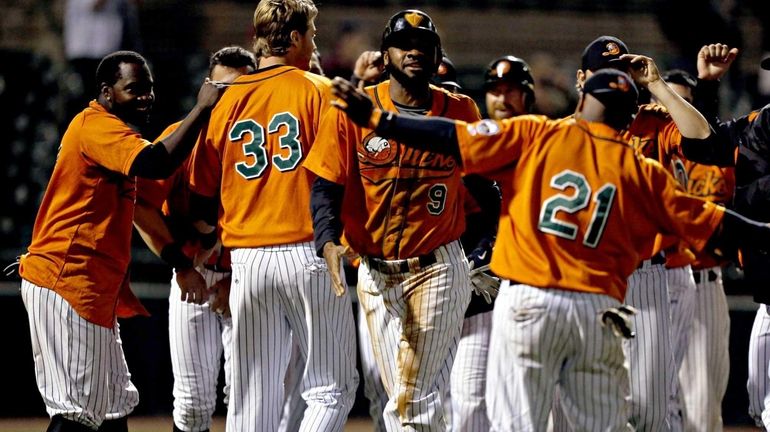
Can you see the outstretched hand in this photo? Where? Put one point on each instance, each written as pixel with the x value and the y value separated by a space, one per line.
pixel 192 285
pixel 209 93
pixel 356 104
pixel 714 61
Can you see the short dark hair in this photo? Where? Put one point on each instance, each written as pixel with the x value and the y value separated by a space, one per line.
pixel 233 57
pixel 108 71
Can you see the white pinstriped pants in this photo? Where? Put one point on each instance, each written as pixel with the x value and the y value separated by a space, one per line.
pixel 469 375
pixel 544 339
pixel 414 320
pixel 649 354
pixel 681 295
pixel 197 338
pixel 706 367
pixel 79 366
pixel 374 390
pixel 758 384
pixel 279 293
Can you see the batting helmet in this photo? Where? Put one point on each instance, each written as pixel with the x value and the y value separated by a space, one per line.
pixel 513 70
pixel 411 22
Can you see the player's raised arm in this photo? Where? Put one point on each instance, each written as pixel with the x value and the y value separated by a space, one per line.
pixel 432 133
pixel 689 121
pixel 162 158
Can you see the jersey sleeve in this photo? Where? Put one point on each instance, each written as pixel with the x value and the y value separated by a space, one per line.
pixel 206 162
pixel 690 218
pixel 488 145
pixel 110 143
pixel 330 156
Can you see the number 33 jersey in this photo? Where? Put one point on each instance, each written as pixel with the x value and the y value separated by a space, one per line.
pixel 399 202
pixel 582 207
pixel 251 153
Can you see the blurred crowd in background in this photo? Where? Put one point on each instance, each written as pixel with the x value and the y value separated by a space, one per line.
pixel 49 50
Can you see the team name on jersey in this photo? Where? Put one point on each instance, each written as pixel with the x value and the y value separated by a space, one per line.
pixel 710 185
pixel 381 159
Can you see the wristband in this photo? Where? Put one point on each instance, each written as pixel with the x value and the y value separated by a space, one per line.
pixel 172 254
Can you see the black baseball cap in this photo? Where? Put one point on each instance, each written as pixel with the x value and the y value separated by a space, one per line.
pixel 604 52
pixel 613 88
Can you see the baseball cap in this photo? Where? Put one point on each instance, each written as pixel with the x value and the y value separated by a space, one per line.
pixel 446 76
pixel 765 64
pixel 604 52
pixel 613 88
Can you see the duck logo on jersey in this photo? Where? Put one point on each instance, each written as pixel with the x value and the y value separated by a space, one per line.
pixel 376 150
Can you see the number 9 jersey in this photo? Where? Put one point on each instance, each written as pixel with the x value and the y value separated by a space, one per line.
pixel 253 139
pixel 585 205
pixel 399 202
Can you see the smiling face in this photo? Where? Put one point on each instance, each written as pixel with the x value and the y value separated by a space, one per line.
pixel 505 100
pixel 411 58
pixel 132 96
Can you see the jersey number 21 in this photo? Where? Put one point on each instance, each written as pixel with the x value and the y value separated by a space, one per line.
pixel 575 203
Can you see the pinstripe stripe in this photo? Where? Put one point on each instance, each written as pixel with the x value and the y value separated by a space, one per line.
pixel 279 294
pixel 758 384
pixel 681 294
pixel 374 390
pixel 469 375
pixel 196 336
pixel 79 366
pixel 415 320
pixel 549 340
pixel 706 365
pixel 649 354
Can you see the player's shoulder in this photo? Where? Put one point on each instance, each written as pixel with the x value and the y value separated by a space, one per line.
pixel 452 97
pixel 317 80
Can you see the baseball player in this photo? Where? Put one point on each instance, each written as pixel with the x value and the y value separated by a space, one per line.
pixel 259 134
pixel 657 134
pixel 198 334
pixel 705 368
pixel 402 212
pixel 509 91
pixel 566 261
pixel 75 274
pixel 746 148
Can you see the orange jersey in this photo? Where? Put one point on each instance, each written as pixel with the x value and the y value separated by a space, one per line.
pixel 714 184
pixel 399 202
pixel 259 133
pixel 654 133
pixel 81 241
pixel 585 207
pixel 172 196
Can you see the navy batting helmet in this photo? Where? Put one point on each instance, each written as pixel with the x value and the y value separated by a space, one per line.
pixel 509 69
pixel 407 23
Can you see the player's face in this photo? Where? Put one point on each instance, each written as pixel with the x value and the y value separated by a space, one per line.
pixel 505 100
pixel 132 96
pixel 228 74
pixel 411 58
pixel 305 47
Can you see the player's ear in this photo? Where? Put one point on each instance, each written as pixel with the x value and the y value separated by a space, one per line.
pixel 295 37
pixel 106 92
pixel 385 58
pixel 580 79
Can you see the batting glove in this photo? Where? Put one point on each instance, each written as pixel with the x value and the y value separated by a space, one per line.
pixel 484 284
pixel 619 320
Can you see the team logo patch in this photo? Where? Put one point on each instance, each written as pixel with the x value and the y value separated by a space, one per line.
pixel 621 84
pixel 484 128
pixel 612 49
pixel 414 19
pixel 376 150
